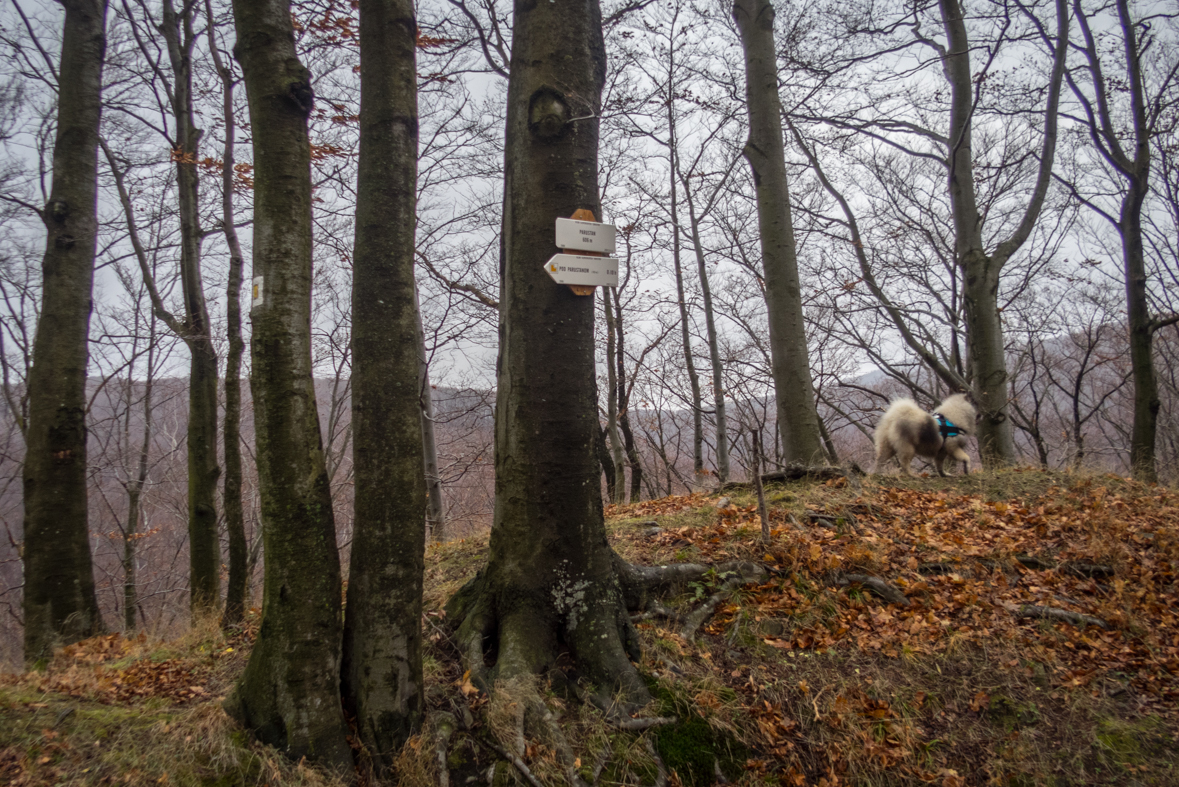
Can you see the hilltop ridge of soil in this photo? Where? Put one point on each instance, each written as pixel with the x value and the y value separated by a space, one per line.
pixel 1017 628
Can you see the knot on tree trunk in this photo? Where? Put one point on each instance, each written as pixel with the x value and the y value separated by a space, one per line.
pixel 548 113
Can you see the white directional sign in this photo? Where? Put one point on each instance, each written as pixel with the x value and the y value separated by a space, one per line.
pixel 573 235
pixel 588 271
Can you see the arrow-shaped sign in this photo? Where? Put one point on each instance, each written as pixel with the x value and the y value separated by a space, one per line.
pixel 586 271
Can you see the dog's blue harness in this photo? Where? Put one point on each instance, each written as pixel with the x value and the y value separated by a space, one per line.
pixel 946 427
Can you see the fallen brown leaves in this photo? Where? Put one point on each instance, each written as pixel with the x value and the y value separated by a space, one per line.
pixel 113 669
pixel 1107 549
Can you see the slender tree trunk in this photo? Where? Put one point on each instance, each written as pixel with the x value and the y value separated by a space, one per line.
pixel 762 510
pixel 237 585
pixel 382 671
pixel 628 437
pixel 981 270
pixel 718 380
pixel 1141 330
pixel 619 495
pixel 551 585
pixel 686 338
pixel 607 464
pixel 136 483
pixel 289 694
pixel 203 544
pixel 435 506
pixel 798 420
pixel 60 604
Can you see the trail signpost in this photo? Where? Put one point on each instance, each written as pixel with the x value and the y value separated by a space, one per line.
pixel 589 266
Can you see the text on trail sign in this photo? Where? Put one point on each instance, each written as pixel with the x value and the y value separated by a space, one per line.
pixel 573 235
pixel 588 271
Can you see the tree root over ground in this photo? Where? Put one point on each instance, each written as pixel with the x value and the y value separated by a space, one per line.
pixel 518 712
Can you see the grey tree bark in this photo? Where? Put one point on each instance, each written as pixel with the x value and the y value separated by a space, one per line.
pixel 981 269
pixel 435 505
pixel 718 380
pixel 60 605
pixel 203 543
pixel 551 584
pixel 237 583
pixel 798 418
pixel 289 694
pixel 1126 148
pixel 619 490
pixel 382 664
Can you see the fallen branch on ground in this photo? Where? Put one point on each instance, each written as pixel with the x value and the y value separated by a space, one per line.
pixel 879 587
pixel 791 472
pixel 1053 613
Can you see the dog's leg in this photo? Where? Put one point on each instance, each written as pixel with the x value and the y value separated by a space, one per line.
pixel 905 458
pixel 884 452
pixel 960 455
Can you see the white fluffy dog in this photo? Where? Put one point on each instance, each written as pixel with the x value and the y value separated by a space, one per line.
pixel 906 431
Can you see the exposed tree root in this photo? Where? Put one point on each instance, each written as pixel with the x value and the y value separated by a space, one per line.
pixel 696 617
pixel 634 725
pixel 1053 613
pixel 661 769
pixel 640 583
pixel 521 766
pixel 879 587
pixel 444 726
pixel 600 764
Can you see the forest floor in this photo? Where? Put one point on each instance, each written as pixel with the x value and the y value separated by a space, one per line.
pixel 1032 639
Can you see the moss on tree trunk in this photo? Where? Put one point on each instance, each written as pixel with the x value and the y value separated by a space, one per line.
pixel 551 583
pixel 289 694
pixel 382 662
pixel 60 605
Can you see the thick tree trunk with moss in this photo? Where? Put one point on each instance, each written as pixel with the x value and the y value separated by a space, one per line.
pixel 552 583
pixel 289 694
pixel 794 390
pixel 60 605
pixel 382 666
pixel 204 547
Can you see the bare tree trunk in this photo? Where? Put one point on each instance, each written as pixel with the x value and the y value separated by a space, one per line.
pixel 435 506
pixel 203 544
pixel 718 380
pixel 136 483
pixel 981 270
pixel 620 491
pixel 289 694
pixel 551 585
pixel 628 437
pixel 60 604
pixel 798 419
pixel 681 298
pixel 382 666
pixel 237 584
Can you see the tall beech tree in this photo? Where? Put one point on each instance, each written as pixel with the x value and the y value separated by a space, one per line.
pixel 60 604
pixel 794 390
pixel 981 268
pixel 382 662
pixel 1125 106
pixel 552 581
pixel 237 583
pixel 204 548
pixel 289 694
